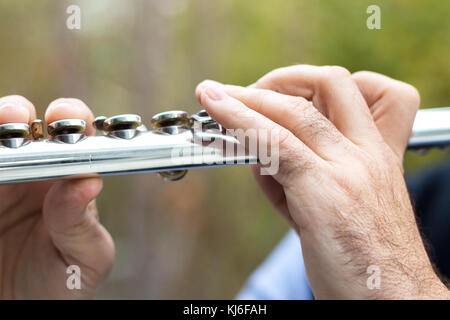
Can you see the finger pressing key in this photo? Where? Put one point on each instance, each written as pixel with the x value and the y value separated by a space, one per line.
pixel 68 108
pixel 16 109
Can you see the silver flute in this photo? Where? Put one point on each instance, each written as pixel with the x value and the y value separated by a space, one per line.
pixel 176 143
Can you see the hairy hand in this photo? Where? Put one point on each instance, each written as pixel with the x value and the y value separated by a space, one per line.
pixel 47 226
pixel 340 180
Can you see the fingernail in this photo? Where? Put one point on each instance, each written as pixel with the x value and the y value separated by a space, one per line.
pixel 215 93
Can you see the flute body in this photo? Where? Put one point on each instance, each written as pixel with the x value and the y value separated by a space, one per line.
pixel 431 129
pixel 170 148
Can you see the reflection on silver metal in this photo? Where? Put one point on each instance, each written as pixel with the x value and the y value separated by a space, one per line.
pixel 171 123
pixel 203 119
pixel 122 122
pixel 431 129
pixel 66 126
pixel 14 135
pixel 147 151
pixel 169 119
pixel 156 150
pixel 14 129
pixel 124 126
pixel 99 123
pixel 69 131
pixel 173 175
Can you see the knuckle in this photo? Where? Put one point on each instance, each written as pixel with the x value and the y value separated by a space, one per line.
pixel 284 137
pixel 299 104
pixel 337 72
pixel 275 73
pixel 412 94
pixel 270 80
pixel 286 141
pixel 242 113
pixel 330 75
pixel 313 126
pixel 406 96
pixel 275 76
pixel 261 97
pixel 363 74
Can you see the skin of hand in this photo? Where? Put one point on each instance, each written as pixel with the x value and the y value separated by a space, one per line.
pixel 340 179
pixel 47 226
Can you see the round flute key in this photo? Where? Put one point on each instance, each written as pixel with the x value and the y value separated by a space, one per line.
pixel 174 175
pixel 172 122
pixel 66 126
pixel 202 116
pixel 14 130
pixel 99 123
pixel 175 118
pixel 14 135
pixel 205 121
pixel 121 122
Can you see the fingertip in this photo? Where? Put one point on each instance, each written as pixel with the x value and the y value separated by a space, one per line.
pixel 86 188
pixel 70 108
pixel 16 109
pixel 202 86
pixel 77 191
pixel 12 113
pixel 213 98
pixel 198 92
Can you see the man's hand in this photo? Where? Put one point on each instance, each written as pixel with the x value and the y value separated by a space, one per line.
pixel 47 226
pixel 340 181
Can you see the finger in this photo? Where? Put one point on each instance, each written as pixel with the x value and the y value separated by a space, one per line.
pixel 293 155
pixel 69 108
pixel 233 114
pixel 333 91
pixel 393 105
pixel 69 209
pixel 16 109
pixel 70 216
pixel 297 115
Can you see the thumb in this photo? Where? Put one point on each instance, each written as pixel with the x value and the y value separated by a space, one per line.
pixel 70 216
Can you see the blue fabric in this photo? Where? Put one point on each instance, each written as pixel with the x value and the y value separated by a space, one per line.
pixel 282 276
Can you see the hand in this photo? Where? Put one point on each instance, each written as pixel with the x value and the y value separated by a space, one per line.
pixel 392 103
pixel 340 180
pixel 47 226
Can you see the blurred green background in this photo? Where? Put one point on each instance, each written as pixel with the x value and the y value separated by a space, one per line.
pixel 202 236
